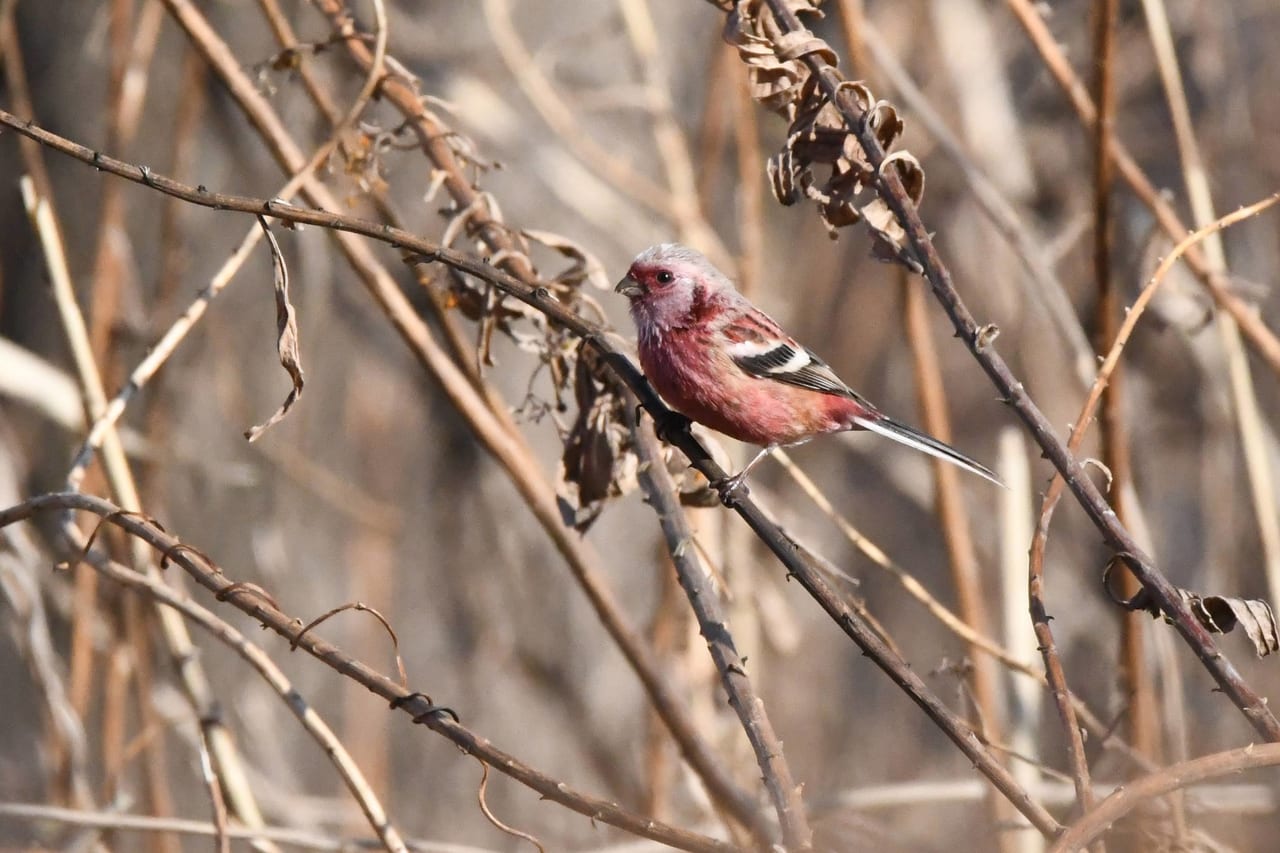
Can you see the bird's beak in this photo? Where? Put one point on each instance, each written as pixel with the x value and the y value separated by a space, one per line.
pixel 629 287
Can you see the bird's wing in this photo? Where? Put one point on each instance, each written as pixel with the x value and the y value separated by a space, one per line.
pixel 795 365
pixel 759 347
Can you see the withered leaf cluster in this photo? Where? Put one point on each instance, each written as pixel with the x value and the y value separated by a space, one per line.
pixel 821 159
pixel 599 462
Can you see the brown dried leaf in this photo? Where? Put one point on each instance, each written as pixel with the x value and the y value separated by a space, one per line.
pixel 474 302
pixel 774 70
pixel 598 462
pixel 787 178
pixel 884 120
pixel 793 46
pixel 286 336
pixel 819 137
pixel 1220 614
pixel 586 267
pixel 888 237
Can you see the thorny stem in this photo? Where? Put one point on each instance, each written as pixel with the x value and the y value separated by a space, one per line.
pixel 890 188
pixel 257 604
pixel 490 424
pixel 786 549
pixel 1053 671
pixel 714 626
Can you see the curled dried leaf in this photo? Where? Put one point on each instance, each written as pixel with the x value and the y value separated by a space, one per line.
pixel 910 172
pixel 1218 614
pixel 775 72
pixel 819 138
pixel 586 267
pixel 788 181
pixel 889 240
pixel 460 292
pixel 286 336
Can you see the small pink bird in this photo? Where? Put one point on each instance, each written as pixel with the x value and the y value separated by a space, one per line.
pixel 719 360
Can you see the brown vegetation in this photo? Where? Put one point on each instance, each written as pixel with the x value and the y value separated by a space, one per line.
pixel 471 508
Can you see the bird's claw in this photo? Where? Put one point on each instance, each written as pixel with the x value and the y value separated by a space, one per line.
pixel 731 490
pixel 670 425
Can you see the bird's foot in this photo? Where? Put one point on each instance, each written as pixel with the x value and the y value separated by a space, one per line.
pixel 731 489
pixel 671 425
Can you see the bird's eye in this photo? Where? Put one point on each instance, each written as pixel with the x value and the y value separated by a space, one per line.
pixel 665 277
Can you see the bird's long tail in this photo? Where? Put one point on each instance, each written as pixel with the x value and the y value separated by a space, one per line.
pixel 914 438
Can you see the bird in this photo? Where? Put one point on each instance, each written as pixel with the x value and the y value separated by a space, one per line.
pixel 719 360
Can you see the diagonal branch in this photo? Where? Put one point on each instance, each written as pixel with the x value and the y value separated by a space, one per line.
pixel 261 607
pixel 785 548
pixel 491 425
pixel 714 626
pixel 1131 795
pixel 158 590
pixel 1264 342
pixel 890 188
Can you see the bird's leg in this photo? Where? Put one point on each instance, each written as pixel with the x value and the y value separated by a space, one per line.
pixel 729 485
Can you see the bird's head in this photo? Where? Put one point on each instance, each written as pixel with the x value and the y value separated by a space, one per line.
pixel 666 284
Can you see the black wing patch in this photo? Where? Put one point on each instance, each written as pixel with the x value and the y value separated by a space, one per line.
pixel 767 362
pixel 813 374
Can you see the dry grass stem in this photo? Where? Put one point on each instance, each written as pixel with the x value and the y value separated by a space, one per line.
pixel 449 191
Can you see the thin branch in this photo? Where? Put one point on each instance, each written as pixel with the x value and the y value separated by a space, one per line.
pixel 1144 722
pixel 128 82
pixel 1260 337
pixel 120 479
pixel 253 601
pixel 660 492
pixel 312 723
pixel 1161 274
pixel 157 355
pixel 494 429
pixel 1131 795
pixel 493 819
pixel 1237 799
pixel 543 300
pixel 1054 493
pixel 953 518
pixel 209 775
pixel 890 188
pixel 1054 674
pixel 1254 428
pixel 120 822
pixel 1041 286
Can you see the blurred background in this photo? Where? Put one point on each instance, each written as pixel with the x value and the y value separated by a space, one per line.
pixel 602 128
